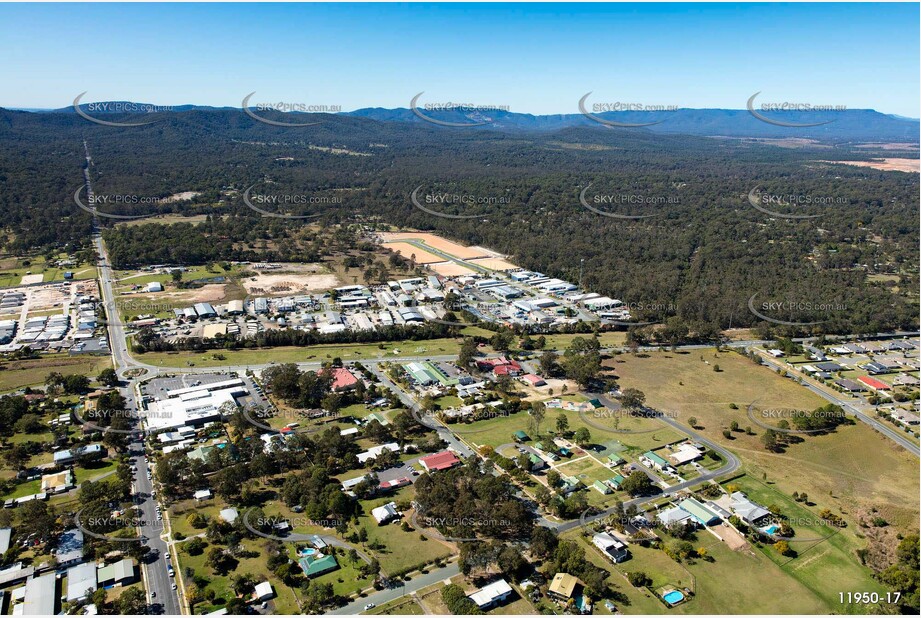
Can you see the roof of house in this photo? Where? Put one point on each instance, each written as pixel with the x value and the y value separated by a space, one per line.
pixel 655 458
pixel 263 590
pixel 489 593
pixel 315 566
pixel 229 514
pixel 699 511
pixel 606 542
pixel 5 534
pixel 117 571
pixel 564 584
pixel 385 512
pixel 746 509
pixel 440 461
pixel 673 515
pixel 521 435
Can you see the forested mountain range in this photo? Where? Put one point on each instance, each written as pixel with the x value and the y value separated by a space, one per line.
pixel 843 126
pixel 700 256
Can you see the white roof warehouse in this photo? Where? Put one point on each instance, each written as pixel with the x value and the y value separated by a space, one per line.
pixel 193 405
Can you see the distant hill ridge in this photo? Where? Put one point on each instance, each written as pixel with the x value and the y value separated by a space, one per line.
pixel 842 126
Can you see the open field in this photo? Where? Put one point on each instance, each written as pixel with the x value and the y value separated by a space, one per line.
pixel 32 372
pixel 310 354
pixel 169 219
pixel 438 243
pixel 851 467
pixel 13 271
pixel 888 164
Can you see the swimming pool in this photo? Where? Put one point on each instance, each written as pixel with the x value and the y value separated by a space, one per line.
pixel 674 597
pixel 772 529
pixel 309 551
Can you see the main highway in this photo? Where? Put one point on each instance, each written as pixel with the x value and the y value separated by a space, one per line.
pixel 161 598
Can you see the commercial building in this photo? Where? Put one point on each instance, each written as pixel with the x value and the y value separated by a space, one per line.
pixel 81 581
pixel 41 596
pixel 439 461
pixel 194 405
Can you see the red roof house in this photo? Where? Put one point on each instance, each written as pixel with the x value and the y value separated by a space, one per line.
pixel 533 380
pixel 439 461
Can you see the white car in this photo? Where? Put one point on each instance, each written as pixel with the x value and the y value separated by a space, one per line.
pixel 369 606
pixel 174 585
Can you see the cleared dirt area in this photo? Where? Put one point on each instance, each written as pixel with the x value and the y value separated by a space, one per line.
pixel 406 250
pixel 287 283
pixel 439 243
pixel 494 263
pixel 887 165
pixel 450 269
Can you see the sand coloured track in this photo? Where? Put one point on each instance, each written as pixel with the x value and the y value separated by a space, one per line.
pixel 437 242
pixel 406 250
pixel 450 269
pixel 493 263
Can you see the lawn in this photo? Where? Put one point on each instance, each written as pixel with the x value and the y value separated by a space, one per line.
pixel 285 601
pixel 32 372
pixel 825 566
pixel 317 353
pixel 401 549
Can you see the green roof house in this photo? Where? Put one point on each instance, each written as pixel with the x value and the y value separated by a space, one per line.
pixel 615 482
pixel 313 566
pixel 615 459
pixel 521 436
pixel 657 461
pixel 601 487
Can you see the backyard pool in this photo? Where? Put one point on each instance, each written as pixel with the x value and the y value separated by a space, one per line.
pixel 772 529
pixel 674 597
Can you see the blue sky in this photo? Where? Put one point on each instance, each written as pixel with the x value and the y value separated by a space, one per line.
pixel 532 58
